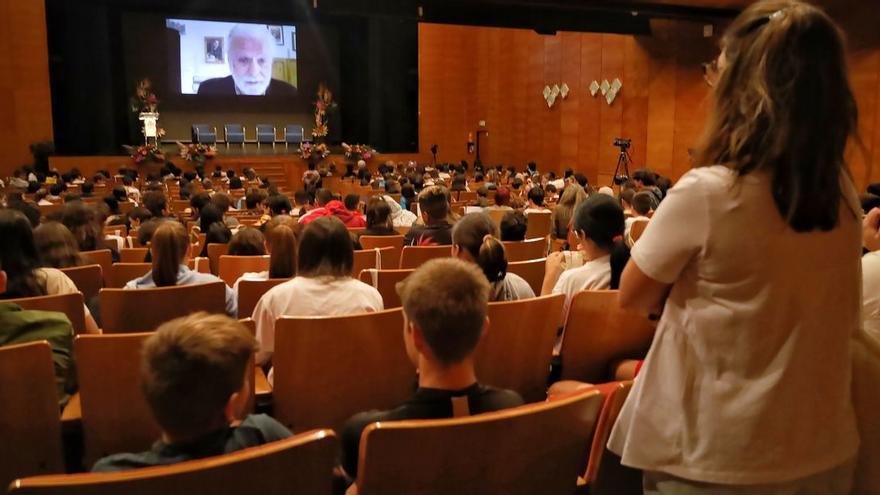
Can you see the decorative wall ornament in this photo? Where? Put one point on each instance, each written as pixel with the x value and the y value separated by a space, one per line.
pixel 594 88
pixel 563 90
pixel 609 90
pixel 605 86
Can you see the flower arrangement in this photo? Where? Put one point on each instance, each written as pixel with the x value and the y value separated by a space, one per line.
pixel 316 151
pixel 145 152
pixel 323 104
pixel 355 152
pixel 196 151
pixel 144 100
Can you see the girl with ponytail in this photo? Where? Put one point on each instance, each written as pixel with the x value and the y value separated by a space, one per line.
pixel 281 241
pixel 475 239
pixel 170 250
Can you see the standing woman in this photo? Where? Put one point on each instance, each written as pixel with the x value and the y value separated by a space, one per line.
pixel 746 388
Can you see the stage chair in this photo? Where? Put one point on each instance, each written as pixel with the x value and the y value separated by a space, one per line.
pixel 517 350
pixel 250 292
pixel 300 464
pixel 204 134
pixel 535 448
pixel 599 333
pixel 414 256
pixel 101 257
pixel 29 422
pixel 69 304
pixel 383 241
pixel 329 368
pixel 538 225
pixel 234 134
pixel 215 251
pixel 293 134
pixel 142 310
pixel 531 249
pixel 122 273
pixel 133 255
pixel 532 271
pixel 636 230
pixel 230 268
pixel 265 134
pixel 89 279
pixel 385 281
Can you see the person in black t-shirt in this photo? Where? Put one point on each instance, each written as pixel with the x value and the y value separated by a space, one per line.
pixel 445 302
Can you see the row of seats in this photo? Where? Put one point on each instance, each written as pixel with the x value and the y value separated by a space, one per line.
pixel 237 134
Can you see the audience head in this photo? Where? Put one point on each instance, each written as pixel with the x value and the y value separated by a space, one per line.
pixel 81 220
pixel 475 238
pixel 56 246
pixel 325 249
pixel 18 255
pixel 56 189
pixel 502 196
pixel 599 220
pixel 210 214
pixel 445 303
pixel 120 194
pixel 112 204
pixel 434 204
pixel 222 201
pixel 138 215
pixel 642 202
pixel 278 204
pixel 281 241
pixel 253 199
pixel 378 213
pixel 352 201
pixel 247 242
pixel 536 196
pixel 626 198
pixel 156 203
pixel 323 196
pixel 513 226
pixel 644 178
pixel 194 374
pixel 169 248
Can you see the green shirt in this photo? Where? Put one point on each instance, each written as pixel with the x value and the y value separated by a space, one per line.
pixel 19 326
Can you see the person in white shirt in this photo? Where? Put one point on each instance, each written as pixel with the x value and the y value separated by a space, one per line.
pixel 475 239
pixel 642 203
pixel 755 263
pixel 598 225
pixel 871 274
pixel 323 285
pixel 536 201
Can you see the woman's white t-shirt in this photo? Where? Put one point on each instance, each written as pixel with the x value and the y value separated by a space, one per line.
pixel 593 275
pixel 748 378
pixel 302 296
pixel 871 293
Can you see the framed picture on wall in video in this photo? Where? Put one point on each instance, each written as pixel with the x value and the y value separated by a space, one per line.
pixel 213 50
pixel 277 33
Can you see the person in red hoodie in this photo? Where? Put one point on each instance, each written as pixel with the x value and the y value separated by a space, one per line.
pixel 336 209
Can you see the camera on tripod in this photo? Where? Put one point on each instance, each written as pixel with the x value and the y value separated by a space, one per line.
pixel 621 171
pixel 623 143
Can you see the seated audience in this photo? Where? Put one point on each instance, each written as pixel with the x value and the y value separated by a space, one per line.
pixel 224 203
pixel 170 251
pixel 21 262
pixel 138 216
pixel 87 228
pixel 323 285
pixel 502 200
pixel 514 226
pixel 195 377
pixel 400 216
pixel 379 220
pixel 572 196
pixel 157 204
pixel 57 246
pixel 445 303
pixel 211 224
pixel 536 201
pixel 247 242
pixel 437 229
pixel 335 208
pixel 278 204
pixel 18 326
pixel 642 205
pixel 871 273
pixel 280 242
pixel 474 239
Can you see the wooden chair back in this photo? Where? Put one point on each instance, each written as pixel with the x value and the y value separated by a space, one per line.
pixel 133 255
pixel 69 304
pixel 385 281
pixel 122 273
pixel 467 195
pixel 300 464
pixel 30 425
pixel 598 333
pixel 497 215
pixel 615 395
pixel 46 210
pixel 142 310
pixel 383 241
pixel 538 224
pixel 89 279
pixel 532 271
pixel 230 268
pixel 535 448
pixel 329 368
pixel 365 259
pixel 101 257
pixel 637 229
pixel 531 249
pixel 250 291
pixel 115 414
pixel 414 256
pixel 517 350
pixel 215 251
pixel 117 230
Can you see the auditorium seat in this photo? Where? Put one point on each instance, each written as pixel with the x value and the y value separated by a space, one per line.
pixel 89 279
pixel 532 271
pixel 517 350
pixel 204 134
pixel 69 304
pixel 215 251
pixel 265 134
pixel 498 215
pixel 300 464
pixel 142 310
pixel 538 225
pixel 531 249
pixel 117 230
pixel 535 448
pixel 382 241
pixel 376 258
pixel 329 368
pixel 233 134
pixel 385 281
pixel 250 291
pixel 101 257
pixel 598 333
pixel 230 268
pixel 293 134
pixel 415 256
pixel 636 231
pixel 122 273
pixel 133 255
pixel 467 196
pixel 30 427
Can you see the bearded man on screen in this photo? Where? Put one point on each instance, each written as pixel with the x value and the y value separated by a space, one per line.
pixel 251 53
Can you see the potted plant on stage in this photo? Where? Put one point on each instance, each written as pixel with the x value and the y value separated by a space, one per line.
pixel 313 152
pixel 323 104
pixel 197 152
pixel 145 152
pixel 356 152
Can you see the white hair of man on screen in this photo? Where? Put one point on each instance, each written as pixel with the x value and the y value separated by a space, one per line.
pixel 251 55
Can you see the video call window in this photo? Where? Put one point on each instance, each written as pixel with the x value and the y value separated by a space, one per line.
pixel 234 58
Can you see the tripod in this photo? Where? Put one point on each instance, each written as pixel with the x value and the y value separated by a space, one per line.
pixel 623 159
